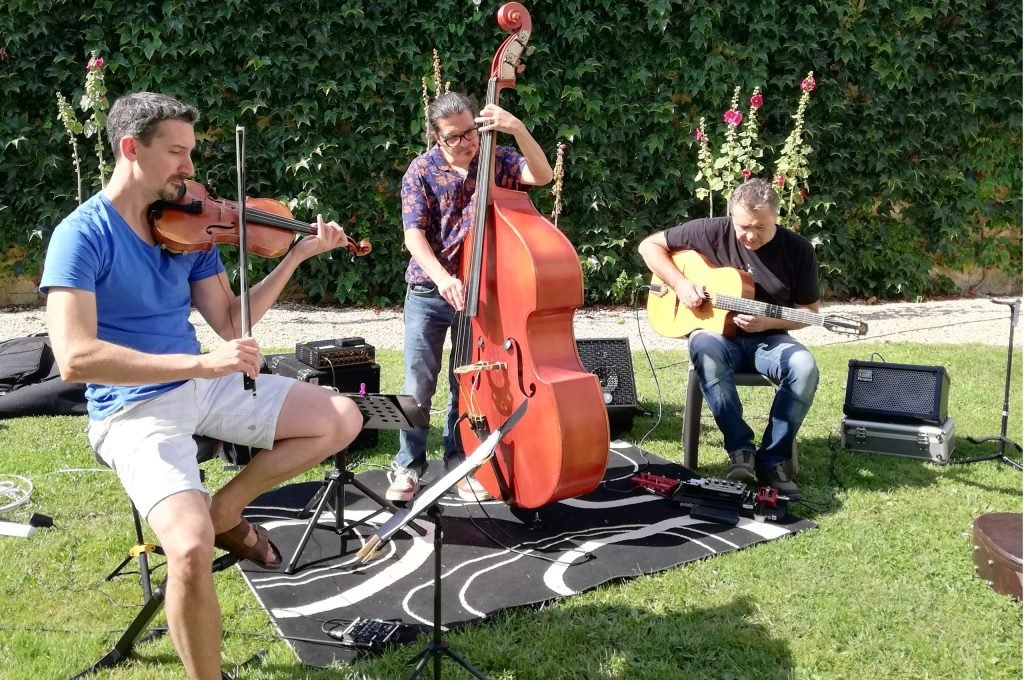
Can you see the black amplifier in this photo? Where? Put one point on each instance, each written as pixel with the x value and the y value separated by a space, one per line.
pixel 343 379
pixel 899 393
pixel 335 352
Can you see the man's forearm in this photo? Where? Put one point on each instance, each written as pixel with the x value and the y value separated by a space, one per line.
pixel 104 363
pixel 536 159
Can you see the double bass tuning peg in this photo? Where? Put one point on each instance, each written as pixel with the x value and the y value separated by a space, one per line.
pixel 520 68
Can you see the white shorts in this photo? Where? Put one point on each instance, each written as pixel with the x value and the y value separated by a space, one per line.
pixel 149 443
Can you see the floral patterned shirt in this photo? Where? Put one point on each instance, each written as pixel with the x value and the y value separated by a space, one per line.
pixel 436 199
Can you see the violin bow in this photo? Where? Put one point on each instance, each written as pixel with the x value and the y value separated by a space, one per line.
pixel 243 253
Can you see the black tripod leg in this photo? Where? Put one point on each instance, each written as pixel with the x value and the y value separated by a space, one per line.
pixel 462 662
pixel 313 503
pixel 123 647
pixel 438 646
pixel 325 496
pixel 383 503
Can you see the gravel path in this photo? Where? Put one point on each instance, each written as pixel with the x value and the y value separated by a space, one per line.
pixel 940 322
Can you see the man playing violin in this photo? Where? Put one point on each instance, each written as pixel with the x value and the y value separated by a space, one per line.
pixel 118 310
pixel 438 212
pixel 785 272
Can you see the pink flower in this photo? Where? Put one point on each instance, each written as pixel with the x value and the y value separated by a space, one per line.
pixel 803 193
pixel 807 84
pixel 780 181
pixel 747 174
pixel 732 117
pixel 698 135
pixel 757 101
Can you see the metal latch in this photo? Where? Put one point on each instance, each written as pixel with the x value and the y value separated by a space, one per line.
pixel 922 441
pixel 860 434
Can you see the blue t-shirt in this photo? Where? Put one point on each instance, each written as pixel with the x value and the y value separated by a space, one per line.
pixel 143 298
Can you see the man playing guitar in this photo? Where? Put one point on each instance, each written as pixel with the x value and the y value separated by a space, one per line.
pixel 784 269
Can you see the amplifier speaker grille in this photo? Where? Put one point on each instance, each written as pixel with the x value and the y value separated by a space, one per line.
pixel 611 361
pixel 896 392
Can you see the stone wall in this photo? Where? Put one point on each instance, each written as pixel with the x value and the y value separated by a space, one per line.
pixel 19 290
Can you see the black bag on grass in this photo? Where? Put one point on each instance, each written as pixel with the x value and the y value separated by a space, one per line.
pixel 30 383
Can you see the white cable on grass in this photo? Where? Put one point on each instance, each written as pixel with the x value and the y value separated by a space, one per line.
pixel 15 490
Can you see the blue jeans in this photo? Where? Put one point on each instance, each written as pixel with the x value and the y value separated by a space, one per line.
pixel 781 359
pixel 428 317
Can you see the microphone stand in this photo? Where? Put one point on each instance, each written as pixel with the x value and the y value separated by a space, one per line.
pixel 1000 455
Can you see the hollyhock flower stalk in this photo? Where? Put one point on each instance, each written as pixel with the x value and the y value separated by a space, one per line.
pixel 792 168
pixel 95 100
pixel 74 128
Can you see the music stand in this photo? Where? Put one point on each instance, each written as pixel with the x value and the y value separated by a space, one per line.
pixel 380 412
pixel 427 501
pixel 1000 455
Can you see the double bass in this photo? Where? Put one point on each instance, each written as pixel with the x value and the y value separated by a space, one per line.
pixel 523 285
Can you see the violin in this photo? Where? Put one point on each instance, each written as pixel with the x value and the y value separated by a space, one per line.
pixel 198 219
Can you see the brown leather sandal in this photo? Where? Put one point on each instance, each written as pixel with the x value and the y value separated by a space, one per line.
pixel 233 540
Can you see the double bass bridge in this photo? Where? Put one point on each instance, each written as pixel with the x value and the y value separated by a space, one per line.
pixel 481 366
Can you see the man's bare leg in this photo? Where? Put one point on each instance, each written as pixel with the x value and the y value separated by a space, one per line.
pixel 314 423
pixel 183 527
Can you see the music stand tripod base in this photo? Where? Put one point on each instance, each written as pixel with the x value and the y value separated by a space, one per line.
pixel 427 501
pixel 380 412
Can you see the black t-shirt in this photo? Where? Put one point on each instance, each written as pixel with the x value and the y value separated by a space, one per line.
pixel 785 270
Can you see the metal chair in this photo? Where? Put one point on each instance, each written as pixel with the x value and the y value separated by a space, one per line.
pixel 692 411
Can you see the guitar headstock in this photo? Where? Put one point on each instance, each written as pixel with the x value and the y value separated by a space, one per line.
pixel 838 324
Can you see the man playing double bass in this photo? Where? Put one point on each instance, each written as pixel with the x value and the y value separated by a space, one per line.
pixel 785 272
pixel 118 310
pixel 438 212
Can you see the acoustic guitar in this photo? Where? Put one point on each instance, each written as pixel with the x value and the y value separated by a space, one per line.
pixel 726 290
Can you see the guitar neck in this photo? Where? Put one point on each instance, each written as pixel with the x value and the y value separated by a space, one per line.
pixel 756 308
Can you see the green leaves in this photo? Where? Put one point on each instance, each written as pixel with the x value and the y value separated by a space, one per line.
pixel 916 129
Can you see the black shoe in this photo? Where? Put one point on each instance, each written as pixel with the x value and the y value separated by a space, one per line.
pixel 742 466
pixel 776 476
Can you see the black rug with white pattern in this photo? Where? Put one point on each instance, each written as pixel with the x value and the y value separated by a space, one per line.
pixel 492 558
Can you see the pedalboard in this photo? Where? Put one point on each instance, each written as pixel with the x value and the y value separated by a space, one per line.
pixel 716 500
pixel 367 633
pixel 335 353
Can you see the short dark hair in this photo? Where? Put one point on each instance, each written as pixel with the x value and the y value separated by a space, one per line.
pixel 755 195
pixel 447 105
pixel 139 113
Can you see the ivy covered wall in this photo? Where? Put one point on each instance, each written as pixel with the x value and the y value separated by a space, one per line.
pixel 915 122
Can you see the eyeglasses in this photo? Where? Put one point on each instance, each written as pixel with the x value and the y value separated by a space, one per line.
pixel 456 140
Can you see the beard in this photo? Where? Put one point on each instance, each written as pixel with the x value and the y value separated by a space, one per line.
pixel 175 194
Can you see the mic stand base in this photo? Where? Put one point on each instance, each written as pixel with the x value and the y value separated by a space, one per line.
pixel 438 646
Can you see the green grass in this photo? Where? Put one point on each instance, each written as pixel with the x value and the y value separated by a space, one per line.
pixel 885 587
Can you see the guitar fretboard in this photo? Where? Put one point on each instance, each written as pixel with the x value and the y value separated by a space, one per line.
pixel 755 308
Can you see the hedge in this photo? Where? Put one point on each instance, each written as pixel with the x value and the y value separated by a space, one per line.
pixel 915 124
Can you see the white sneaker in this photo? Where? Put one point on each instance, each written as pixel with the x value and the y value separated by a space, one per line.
pixel 404 484
pixel 470 489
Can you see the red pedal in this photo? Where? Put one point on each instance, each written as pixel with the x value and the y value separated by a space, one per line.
pixel 645 481
pixel 768 495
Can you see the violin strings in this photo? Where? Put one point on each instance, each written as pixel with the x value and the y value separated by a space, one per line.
pixel 273 220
